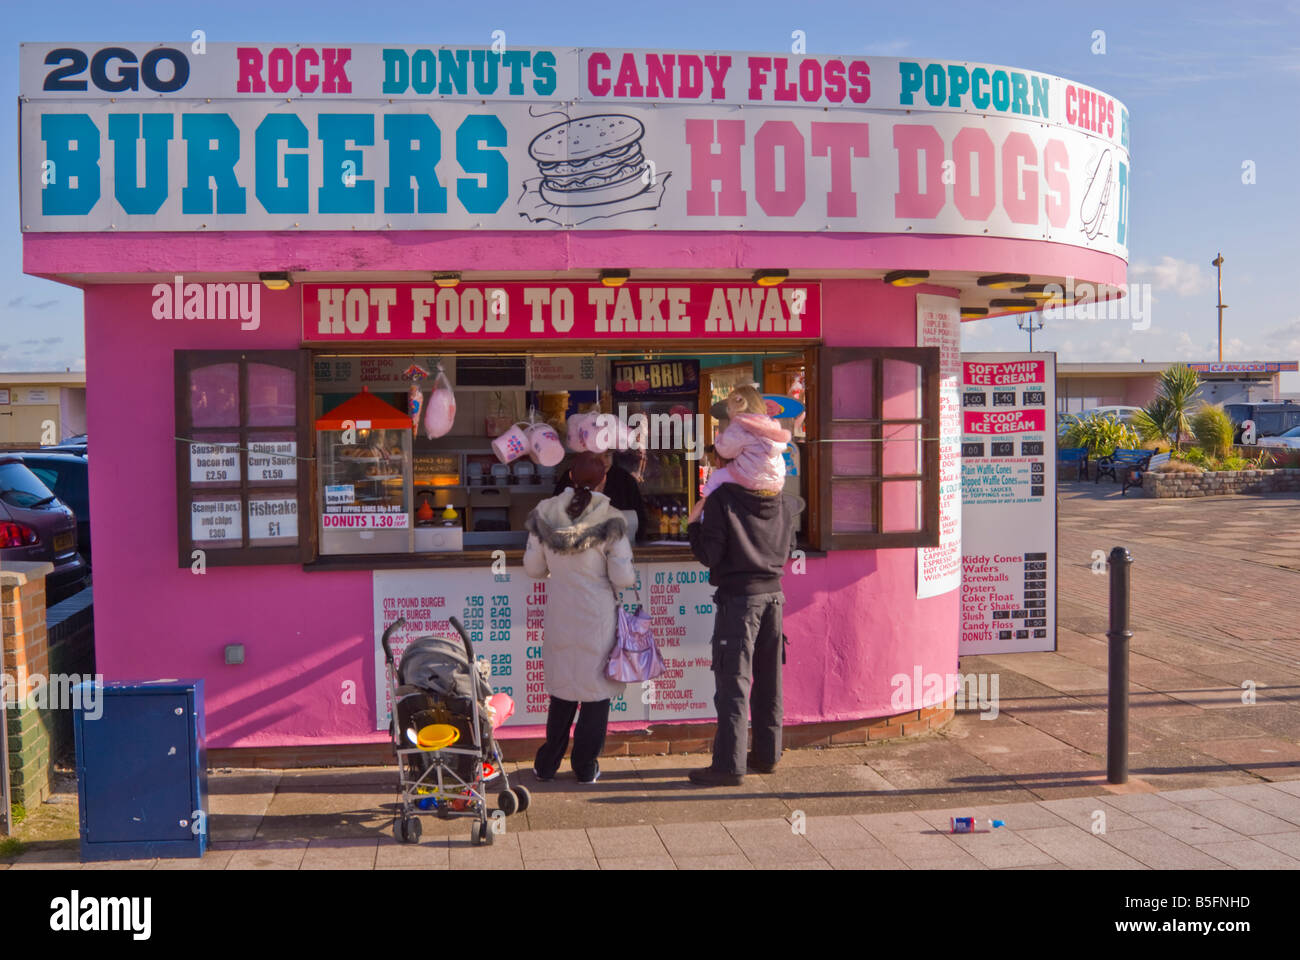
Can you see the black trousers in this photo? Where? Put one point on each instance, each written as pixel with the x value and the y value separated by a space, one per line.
pixel 588 738
pixel 747 674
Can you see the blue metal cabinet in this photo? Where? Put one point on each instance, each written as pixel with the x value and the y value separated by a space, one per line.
pixel 141 770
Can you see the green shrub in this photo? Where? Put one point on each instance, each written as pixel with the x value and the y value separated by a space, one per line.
pixel 10 847
pixel 1102 434
pixel 1213 429
pixel 1234 463
pixel 1195 456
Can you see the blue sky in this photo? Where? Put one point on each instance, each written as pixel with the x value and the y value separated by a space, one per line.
pixel 1209 87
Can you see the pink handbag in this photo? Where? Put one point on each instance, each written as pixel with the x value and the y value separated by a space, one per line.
pixel 635 657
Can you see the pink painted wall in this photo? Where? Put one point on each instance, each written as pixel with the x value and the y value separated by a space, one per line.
pixel 854 620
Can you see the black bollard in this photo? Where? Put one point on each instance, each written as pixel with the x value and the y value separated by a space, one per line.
pixel 1119 635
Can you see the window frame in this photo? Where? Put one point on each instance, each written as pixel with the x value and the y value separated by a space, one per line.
pixel 822 534
pixel 298 362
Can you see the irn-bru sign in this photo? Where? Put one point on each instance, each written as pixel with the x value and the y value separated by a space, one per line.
pixel 346 312
pixel 373 137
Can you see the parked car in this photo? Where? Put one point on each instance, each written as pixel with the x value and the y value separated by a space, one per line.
pixel 1290 440
pixel 35 525
pixel 68 478
pixel 1271 419
pixel 75 445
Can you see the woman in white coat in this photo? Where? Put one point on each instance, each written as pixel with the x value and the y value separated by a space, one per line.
pixel 578 542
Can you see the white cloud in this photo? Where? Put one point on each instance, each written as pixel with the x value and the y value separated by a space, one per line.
pixel 1182 277
pixel 1285 341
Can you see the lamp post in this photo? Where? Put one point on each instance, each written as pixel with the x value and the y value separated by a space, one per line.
pixel 1217 263
pixel 1030 322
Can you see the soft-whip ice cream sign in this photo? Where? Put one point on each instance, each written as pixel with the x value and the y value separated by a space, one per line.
pixel 264 137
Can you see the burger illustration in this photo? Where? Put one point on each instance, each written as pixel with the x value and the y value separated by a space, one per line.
pixel 590 160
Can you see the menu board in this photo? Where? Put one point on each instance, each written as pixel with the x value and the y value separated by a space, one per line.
pixel 938 324
pixel 216 521
pixel 1008 590
pixel 214 463
pixel 505 616
pixel 275 460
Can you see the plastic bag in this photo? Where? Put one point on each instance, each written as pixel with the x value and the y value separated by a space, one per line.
pixel 440 410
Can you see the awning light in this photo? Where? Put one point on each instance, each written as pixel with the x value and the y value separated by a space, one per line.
pixel 447 279
pixel 1004 281
pixel 275 280
pixel 615 278
pixel 770 278
pixel 906 278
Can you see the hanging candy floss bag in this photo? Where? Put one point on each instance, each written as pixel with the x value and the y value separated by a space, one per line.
pixel 440 411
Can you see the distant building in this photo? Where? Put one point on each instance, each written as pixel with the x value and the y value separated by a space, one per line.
pixel 35 405
pixel 1083 386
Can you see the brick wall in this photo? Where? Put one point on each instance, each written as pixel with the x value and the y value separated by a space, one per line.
pixel 673 738
pixel 1214 483
pixel 22 630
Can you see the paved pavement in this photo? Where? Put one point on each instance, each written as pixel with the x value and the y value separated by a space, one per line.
pixel 1215 777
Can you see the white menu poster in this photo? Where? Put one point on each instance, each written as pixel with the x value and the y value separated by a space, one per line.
pixel 938 324
pixel 504 615
pixel 1008 590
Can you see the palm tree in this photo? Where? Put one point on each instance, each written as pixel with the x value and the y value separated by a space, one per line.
pixel 1167 417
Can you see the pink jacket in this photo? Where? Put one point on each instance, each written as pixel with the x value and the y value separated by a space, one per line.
pixel 754 443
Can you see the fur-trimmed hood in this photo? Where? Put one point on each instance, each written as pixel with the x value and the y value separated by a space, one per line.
pixel 598 525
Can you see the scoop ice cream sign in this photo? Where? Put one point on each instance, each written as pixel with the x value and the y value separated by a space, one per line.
pixel 330 161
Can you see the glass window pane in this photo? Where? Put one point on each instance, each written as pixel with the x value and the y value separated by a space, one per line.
pixel 901 506
pixel 852 391
pixel 851 502
pixel 902 449
pixel 270 396
pixel 214 395
pixel 900 390
pixel 856 455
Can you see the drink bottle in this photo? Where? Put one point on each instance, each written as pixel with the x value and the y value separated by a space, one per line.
pixel 972 825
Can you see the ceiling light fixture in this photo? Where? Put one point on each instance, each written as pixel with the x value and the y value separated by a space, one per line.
pixel 447 279
pixel 770 278
pixel 615 278
pixel 906 278
pixel 275 280
pixel 1004 281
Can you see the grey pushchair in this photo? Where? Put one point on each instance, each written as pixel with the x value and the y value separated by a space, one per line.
pixel 442 736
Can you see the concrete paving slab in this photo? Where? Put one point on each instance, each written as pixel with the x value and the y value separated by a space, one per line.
pixel 555 845
pixel 864 858
pixel 567 863
pixel 1288 843
pixel 503 854
pixel 1266 797
pixel 638 863
pixel 768 842
pixel 1249 855
pixel 211 860
pixel 838 833
pixel 620 842
pixel 1079 850
pixel 1161 851
pixel 1187 825
pixel 1018 816
pixel 427 855
pixel 341 854
pixel 721 862
pixel 1240 817
pixel 700 839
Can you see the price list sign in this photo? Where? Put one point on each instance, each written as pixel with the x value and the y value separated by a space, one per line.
pixel 505 617
pixel 1008 591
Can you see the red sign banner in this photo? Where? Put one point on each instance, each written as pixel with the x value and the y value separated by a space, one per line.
pixel 1008 421
pixel 1004 374
pixel 350 312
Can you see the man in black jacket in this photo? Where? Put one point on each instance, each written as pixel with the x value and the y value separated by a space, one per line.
pixel 745 538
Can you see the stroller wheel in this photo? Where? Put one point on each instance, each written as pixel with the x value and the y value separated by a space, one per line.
pixel 525 798
pixel 480 834
pixel 508 802
pixel 407 830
